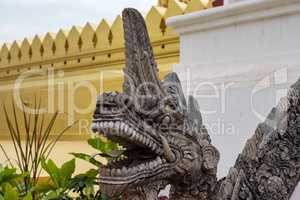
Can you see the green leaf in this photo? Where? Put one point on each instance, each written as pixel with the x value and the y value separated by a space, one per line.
pixel 28 197
pixel 92 173
pixel 6 174
pixel 59 176
pixel 9 175
pixel 53 171
pixel 83 184
pixel 10 193
pixel 87 158
pixel 44 187
pixel 112 154
pixel 51 195
pixel 103 146
pixel 66 172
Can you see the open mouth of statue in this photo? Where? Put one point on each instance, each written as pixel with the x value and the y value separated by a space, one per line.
pixel 143 156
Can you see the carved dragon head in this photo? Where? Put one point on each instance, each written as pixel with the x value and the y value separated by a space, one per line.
pixel 162 133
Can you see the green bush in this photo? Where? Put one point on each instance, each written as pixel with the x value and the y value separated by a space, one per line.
pixel 32 156
pixel 64 185
pixel 10 184
pixel 84 184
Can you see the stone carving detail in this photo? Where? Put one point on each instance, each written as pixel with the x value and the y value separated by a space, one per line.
pixel 166 142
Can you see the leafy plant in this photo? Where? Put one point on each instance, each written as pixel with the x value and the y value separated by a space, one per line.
pixel 9 182
pixel 30 135
pixel 84 184
pixel 62 183
pixel 9 192
pixel 105 148
pixel 9 176
pixel 32 144
pixel 60 179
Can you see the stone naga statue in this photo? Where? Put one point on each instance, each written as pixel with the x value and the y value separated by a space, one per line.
pixel 166 143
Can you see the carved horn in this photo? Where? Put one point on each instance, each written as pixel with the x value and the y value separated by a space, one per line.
pixel 141 69
pixel 172 86
pixel 169 155
pixel 194 113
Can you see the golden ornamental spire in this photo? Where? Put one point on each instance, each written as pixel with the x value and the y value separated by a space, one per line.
pixel 98 40
pixel 163 3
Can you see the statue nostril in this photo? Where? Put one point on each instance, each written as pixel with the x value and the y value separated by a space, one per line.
pixel 126 102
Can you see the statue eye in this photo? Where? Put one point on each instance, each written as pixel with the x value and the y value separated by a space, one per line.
pixel 188 155
pixel 171 108
pixel 168 108
pixel 166 120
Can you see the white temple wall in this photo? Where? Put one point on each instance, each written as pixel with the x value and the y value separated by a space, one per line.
pixel 238 60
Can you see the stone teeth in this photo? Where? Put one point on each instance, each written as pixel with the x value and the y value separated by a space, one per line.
pixel 124 171
pixel 102 171
pixel 101 124
pixel 144 140
pixel 153 146
pixel 144 166
pixel 105 172
pixel 159 161
pixel 151 165
pixel 140 138
pixel 97 126
pixel 129 132
pixel 158 151
pixel 155 163
pixel 105 125
pixel 113 172
pixel 135 134
pixel 111 125
pixel 117 125
pixel 122 126
pixel 132 133
pixel 126 128
pixel 141 167
pixel 118 172
pixel 148 142
pixel 117 128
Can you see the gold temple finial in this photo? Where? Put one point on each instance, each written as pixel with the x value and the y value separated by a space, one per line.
pixel 163 3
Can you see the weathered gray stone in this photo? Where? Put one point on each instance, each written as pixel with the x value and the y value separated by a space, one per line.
pixel 168 144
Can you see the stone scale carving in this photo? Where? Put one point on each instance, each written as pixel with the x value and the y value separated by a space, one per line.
pixel 166 142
